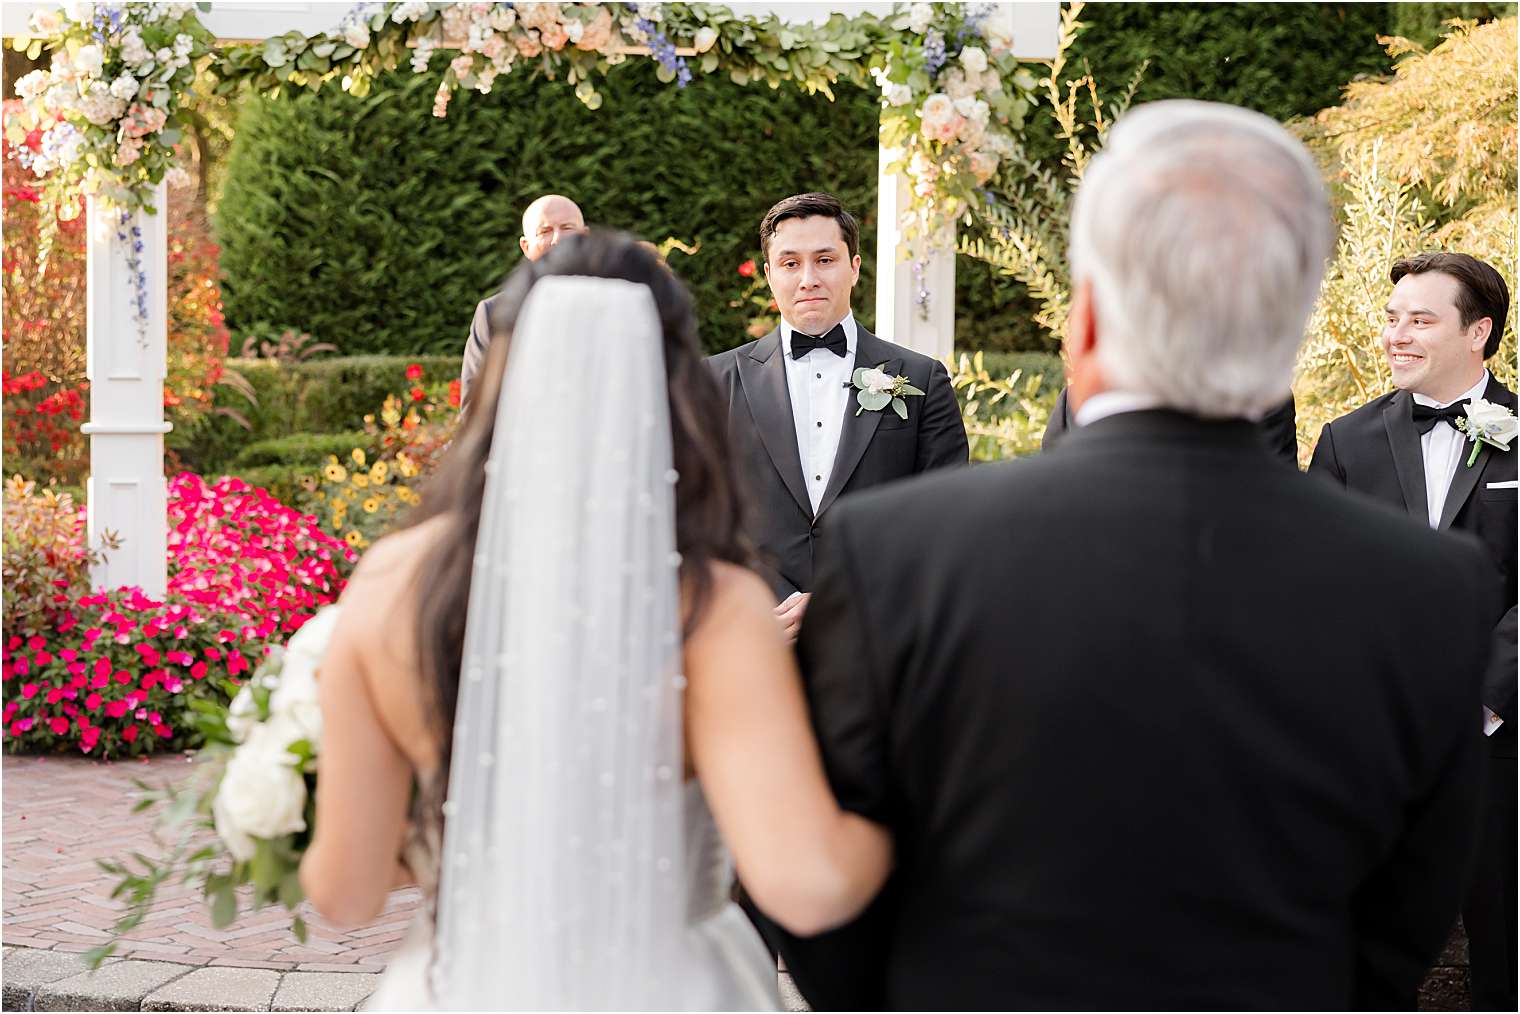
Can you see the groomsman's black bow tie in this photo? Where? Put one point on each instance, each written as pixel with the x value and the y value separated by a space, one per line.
pixel 834 341
pixel 1426 416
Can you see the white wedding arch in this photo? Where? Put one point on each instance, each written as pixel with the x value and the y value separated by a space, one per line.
pixel 127 347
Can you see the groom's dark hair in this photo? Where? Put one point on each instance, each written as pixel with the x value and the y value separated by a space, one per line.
pixel 809 206
pixel 1481 291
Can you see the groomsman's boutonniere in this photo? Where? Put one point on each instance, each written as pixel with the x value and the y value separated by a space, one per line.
pixel 1486 423
pixel 876 390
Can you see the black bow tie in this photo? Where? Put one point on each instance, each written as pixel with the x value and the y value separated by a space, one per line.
pixel 1426 416
pixel 834 341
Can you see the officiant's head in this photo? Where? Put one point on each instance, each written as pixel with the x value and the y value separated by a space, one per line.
pixel 1444 318
pixel 1199 236
pixel 547 221
pixel 812 260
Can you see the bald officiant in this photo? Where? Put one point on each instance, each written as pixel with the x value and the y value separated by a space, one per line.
pixel 547 221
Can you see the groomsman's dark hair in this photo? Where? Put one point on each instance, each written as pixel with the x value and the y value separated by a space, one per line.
pixel 1481 291
pixel 809 206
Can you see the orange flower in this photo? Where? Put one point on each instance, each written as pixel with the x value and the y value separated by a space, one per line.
pixel 747 269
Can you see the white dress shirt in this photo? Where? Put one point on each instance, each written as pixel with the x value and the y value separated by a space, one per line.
pixel 816 386
pixel 1444 449
pixel 1107 403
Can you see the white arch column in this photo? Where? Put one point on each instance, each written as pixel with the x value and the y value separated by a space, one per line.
pixel 126 368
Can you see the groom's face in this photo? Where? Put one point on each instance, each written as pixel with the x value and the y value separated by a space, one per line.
pixel 811 273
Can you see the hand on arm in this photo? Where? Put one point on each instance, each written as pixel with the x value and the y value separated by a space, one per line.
pixel 790 613
pixel 806 862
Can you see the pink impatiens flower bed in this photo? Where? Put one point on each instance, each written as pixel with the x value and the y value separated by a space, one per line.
pixel 116 673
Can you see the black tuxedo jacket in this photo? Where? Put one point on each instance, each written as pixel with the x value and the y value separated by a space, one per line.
pixel 874 447
pixel 1278 428
pixel 1375 450
pixel 1118 784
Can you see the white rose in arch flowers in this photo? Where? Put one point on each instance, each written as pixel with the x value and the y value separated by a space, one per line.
pixel 974 59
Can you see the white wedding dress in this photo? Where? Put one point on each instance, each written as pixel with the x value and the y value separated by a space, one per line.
pixel 576 871
pixel 727 965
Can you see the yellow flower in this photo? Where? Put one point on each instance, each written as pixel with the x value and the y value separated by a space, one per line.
pixel 406 466
pixel 371 505
pixel 321 496
pixel 358 456
pixel 353 538
pixel 309 483
pixel 378 471
pixel 405 494
pixel 335 472
pixel 360 480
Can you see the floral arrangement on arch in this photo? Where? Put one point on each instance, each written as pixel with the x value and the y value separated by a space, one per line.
pixel 107 104
pixel 952 97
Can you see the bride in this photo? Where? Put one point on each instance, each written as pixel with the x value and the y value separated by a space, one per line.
pixel 546 698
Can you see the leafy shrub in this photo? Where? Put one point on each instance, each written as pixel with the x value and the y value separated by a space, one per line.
pixel 1005 414
pixel 46 559
pixel 116 672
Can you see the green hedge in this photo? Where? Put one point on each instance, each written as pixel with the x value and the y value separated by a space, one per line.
pixel 377 227
pixel 300 448
pixel 316 396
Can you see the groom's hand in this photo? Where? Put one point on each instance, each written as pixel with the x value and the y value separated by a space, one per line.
pixel 790 614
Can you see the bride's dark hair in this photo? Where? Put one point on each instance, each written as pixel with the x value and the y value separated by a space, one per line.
pixel 708 511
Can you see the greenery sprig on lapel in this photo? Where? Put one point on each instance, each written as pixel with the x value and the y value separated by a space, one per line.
pixel 875 390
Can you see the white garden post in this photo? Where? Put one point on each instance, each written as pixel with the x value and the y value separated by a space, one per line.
pixel 126 367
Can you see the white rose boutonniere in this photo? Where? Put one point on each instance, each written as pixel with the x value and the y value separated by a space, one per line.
pixel 1487 423
pixel 875 390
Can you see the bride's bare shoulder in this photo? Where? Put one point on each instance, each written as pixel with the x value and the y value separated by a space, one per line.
pixel 388 571
pixel 736 595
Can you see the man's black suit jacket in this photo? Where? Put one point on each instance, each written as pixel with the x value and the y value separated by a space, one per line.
pixel 1153 727
pixel 874 447
pixel 1278 428
pixel 1375 450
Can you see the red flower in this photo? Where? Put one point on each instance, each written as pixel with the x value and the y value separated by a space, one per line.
pixel 414 372
pixel 454 393
pixel 418 394
pixel 129 733
pixel 747 269
pixel 58 725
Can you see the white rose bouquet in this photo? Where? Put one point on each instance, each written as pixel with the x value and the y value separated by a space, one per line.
pixel 253 788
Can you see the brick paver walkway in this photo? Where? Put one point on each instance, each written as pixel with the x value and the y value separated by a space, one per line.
pixel 61 814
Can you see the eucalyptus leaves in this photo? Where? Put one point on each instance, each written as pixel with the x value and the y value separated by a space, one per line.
pixel 876 389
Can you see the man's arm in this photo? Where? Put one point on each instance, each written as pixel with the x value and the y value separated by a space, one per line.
pixel 1059 423
pixel 844 969
pixel 1324 462
pixel 1403 912
pixel 474 350
pixel 941 432
pixel 1499 683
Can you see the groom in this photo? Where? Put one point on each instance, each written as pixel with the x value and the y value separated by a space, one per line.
pixel 798 428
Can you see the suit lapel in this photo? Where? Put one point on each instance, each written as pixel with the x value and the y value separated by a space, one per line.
pixel 1466 479
pixel 1408 460
pixel 762 372
pixel 856 433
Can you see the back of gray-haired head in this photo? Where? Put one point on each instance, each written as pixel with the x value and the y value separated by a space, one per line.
pixel 1204 230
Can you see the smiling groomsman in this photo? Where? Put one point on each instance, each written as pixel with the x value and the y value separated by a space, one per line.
pixel 1422 449
pixel 803 433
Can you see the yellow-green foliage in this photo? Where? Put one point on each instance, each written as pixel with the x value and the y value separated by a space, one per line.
pixel 1005 417
pixel 1424 160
